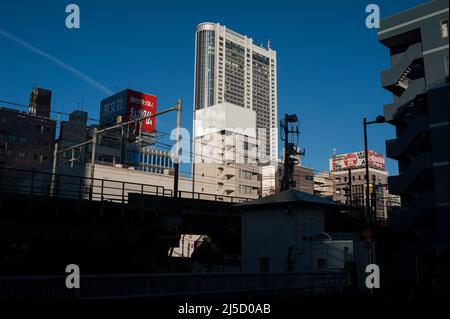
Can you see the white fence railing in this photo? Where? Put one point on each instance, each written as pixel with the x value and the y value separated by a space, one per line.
pixel 160 285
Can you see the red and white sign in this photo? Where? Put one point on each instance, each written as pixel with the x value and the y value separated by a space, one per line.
pixel 350 160
pixel 130 105
pixel 141 105
pixel 357 160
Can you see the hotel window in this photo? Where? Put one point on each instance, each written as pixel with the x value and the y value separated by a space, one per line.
pixel 444 29
pixel 246 175
pixel 322 263
pixel 446 65
pixel 264 263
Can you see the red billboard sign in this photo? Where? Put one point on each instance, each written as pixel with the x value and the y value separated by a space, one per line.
pixel 130 105
pixel 141 105
pixel 350 160
pixel 357 160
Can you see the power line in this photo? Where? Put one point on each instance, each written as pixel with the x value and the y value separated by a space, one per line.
pixel 54 112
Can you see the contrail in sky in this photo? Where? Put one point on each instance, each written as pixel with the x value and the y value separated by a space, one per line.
pixel 57 61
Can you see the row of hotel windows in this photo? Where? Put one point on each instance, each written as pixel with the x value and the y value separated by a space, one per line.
pixel 150 159
pixel 25 125
pixel 21 139
pixel 360 177
pixel 23 155
pixel 246 189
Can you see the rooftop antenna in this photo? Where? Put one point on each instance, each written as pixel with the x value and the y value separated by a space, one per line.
pixel 268 44
pixel 36 82
pixel 334 151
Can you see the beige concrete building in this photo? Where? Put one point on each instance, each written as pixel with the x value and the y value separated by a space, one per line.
pixel 114 182
pixel 351 166
pixel 225 161
pixel 302 176
pixel 324 185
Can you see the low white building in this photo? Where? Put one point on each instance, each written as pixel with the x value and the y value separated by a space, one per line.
pixel 286 232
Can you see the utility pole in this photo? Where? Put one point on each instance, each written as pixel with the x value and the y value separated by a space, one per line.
pixel 350 195
pixel 374 198
pixel 96 132
pixel 366 155
pixel 290 150
pixel 177 150
pixel 91 175
pixel 55 159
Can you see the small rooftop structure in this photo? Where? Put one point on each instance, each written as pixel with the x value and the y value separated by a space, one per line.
pixel 293 197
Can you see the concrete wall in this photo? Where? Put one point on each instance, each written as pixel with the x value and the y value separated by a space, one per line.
pixel 270 233
pixel 112 182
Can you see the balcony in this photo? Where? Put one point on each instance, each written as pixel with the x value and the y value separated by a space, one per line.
pixel 395 148
pixel 226 188
pixel 402 219
pixel 395 79
pixel 399 184
pixel 394 111
pixel 226 172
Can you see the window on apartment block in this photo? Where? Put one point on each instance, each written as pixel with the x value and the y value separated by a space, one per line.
pixel 264 264
pixel 446 66
pixel 444 29
pixel 321 263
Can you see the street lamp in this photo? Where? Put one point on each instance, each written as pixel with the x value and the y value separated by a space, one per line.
pixel 380 119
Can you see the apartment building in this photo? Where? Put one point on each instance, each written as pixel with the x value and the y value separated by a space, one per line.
pixel 27 138
pixel 230 68
pixel 417 40
pixel 226 152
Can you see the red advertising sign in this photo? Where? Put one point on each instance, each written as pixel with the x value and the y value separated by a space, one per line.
pixel 141 105
pixel 350 160
pixel 357 160
pixel 130 105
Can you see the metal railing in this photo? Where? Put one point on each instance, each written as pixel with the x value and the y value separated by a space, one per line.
pixel 172 285
pixel 80 187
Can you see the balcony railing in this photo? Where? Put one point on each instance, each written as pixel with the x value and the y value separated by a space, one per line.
pixel 80 187
pixel 172 285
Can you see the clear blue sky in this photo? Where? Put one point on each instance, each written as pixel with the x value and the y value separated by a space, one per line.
pixel 329 63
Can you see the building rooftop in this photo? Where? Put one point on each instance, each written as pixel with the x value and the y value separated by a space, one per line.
pixel 292 196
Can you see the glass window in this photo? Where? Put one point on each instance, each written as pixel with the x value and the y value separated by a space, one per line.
pixel 264 263
pixel 22 155
pixel 444 29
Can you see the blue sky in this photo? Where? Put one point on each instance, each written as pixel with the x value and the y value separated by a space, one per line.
pixel 329 63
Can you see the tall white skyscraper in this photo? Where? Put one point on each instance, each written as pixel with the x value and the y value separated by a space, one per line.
pixel 230 68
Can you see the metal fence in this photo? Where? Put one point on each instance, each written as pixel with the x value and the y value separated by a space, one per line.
pixel 81 187
pixel 172 285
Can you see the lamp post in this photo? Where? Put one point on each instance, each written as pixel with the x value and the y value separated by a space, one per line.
pixel 380 119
